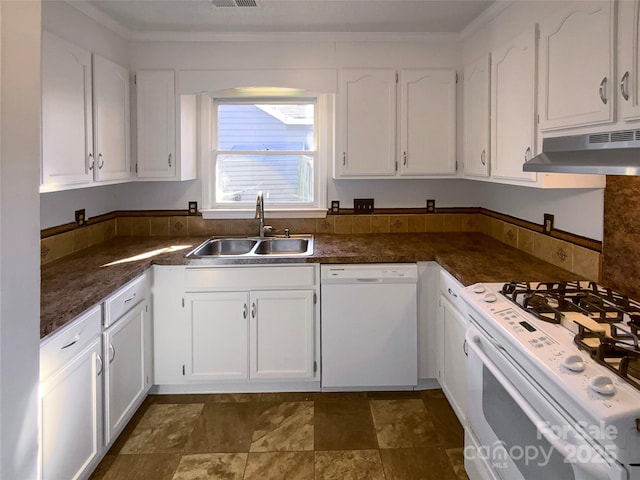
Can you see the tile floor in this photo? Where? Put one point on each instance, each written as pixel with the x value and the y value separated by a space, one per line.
pixel 290 436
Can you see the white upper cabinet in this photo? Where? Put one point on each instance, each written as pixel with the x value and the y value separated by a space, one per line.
pixel 427 112
pixel 629 59
pixel 476 118
pixel 67 131
pixel 513 107
pixel 111 119
pixel 577 82
pixel 165 127
pixel 366 123
pixel 156 124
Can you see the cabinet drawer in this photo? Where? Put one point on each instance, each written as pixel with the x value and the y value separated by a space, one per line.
pixel 450 288
pixel 125 299
pixel 59 348
pixel 250 277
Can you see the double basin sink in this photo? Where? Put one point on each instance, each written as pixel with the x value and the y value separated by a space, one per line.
pixel 294 245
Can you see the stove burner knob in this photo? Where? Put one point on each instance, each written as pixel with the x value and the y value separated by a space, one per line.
pixel 489 297
pixel 478 288
pixel 602 385
pixel 574 363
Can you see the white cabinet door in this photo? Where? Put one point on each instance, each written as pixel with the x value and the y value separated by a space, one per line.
pixel 629 59
pixel 217 324
pixel 427 122
pixel 366 124
pixel 513 107
pixel 111 119
pixel 126 380
pixel 156 124
pixel 453 373
pixel 71 416
pixel 476 118
pixel 282 333
pixel 577 79
pixel 67 136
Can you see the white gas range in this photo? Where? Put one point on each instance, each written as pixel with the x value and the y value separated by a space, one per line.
pixel 540 405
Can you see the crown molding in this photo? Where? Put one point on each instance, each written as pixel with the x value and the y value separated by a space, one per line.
pixel 485 17
pixel 101 18
pixel 431 38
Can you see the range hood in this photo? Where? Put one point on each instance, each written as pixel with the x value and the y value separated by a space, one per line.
pixel 611 153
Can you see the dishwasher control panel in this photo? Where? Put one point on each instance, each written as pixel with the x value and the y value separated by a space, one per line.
pixel 373 273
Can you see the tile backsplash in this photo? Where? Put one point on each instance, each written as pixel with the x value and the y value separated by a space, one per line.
pixel 565 254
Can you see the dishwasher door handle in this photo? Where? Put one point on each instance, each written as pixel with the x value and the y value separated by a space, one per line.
pixel 369 280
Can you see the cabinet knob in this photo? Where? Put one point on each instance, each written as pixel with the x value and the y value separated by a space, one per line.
pixel 624 86
pixel 91 161
pixel 169 160
pixel 483 157
pixel 113 355
pixel 603 90
pixel 244 311
pixel 404 159
pixel 253 310
pixel 100 162
pixel 344 159
pixel 101 368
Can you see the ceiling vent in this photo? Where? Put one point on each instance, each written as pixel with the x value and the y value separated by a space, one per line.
pixel 234 3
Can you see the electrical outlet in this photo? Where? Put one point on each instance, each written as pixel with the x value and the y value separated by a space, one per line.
pixel 80 217
pixel 193 208
pixel 363 205
pixel 431 206
pixel 335 206
pixel 547 226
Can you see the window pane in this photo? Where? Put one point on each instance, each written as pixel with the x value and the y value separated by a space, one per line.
pixel 270 127
pixel 281 178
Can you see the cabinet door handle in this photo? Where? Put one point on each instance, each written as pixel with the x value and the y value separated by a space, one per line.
pixel 91 161
pixel 130 298
pixel 344 159
pixel 452 293
pixel 603 90
pixel 244 311
pixel 253 310
pixel 483 157
pixel 527 154
pixel 113 356
pixel 624 86
pixel 71 343
pixel 99 360
pixel 465 348
pixel 100 162
pixel 169 160
pixel 404 159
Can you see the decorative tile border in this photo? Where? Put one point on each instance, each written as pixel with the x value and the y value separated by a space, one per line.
pixel 571 252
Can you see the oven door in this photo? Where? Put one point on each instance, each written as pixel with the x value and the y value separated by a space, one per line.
pixel 520 435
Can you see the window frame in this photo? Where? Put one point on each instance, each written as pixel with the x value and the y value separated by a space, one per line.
pixel 323 133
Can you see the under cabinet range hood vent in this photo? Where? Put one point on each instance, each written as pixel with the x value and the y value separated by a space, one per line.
pixel 610 153
pixel 234 3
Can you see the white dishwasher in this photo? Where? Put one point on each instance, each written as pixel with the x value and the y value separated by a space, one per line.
pixel 369 326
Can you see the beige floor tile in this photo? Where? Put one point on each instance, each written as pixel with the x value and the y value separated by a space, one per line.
pixel 349 465
pixel 402 423
pixel 429 463
pixel 284 426
pixel 211 466
pixel 164 428
pixel 157 466
pixel 279 466
pixel 344 425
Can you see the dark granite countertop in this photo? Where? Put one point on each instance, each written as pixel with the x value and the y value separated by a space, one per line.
pixel 73 284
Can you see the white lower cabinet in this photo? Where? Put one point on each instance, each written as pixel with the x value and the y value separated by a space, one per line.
pixel 236 327
pixel 452 356
pixel 126 378
pixel 70 400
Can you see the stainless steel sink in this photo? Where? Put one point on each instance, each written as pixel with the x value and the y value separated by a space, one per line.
pixel 295 245
pixel 215 247
pixel 282 246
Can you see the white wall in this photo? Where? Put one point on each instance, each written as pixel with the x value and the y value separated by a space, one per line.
pixel 19 238
pixel 521 202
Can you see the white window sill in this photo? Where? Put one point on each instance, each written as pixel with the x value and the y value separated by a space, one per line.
pixel 212 214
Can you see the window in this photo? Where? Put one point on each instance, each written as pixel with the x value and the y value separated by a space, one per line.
pixel 274 145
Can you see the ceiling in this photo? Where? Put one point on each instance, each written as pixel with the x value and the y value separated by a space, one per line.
pixel 286 16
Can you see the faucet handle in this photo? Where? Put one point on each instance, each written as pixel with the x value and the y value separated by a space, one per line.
pixel 287 232
pixel 267 229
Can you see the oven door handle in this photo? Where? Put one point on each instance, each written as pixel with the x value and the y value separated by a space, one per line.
pixel 566 449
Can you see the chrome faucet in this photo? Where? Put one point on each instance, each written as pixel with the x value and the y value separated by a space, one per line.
pixel 260 216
